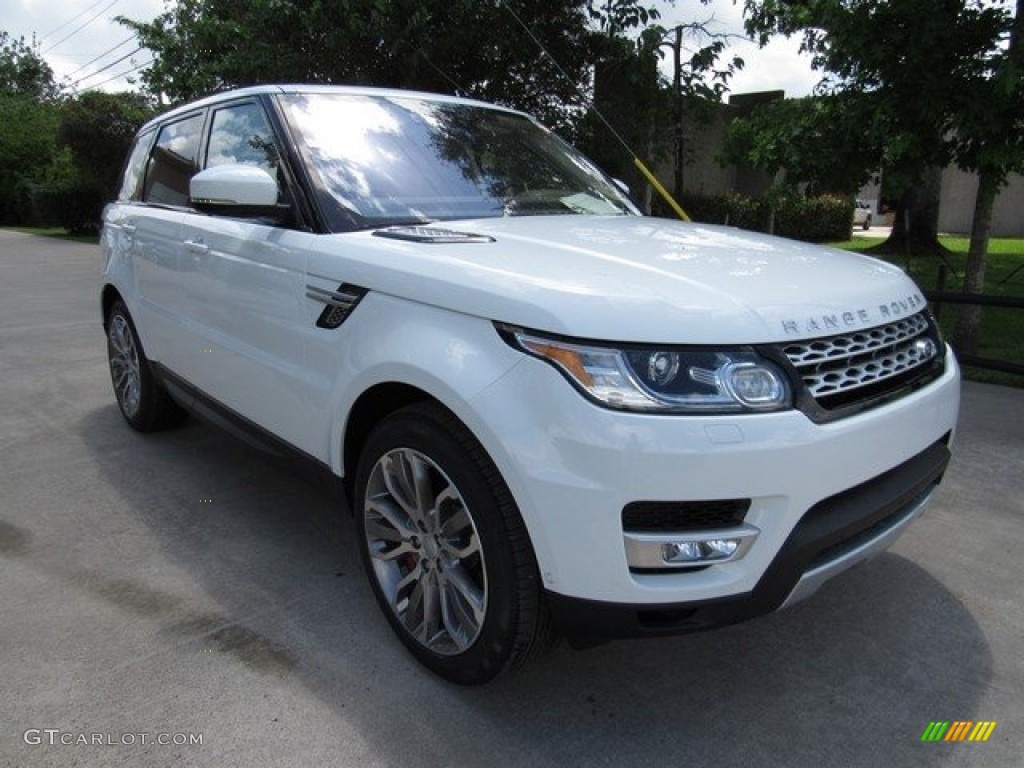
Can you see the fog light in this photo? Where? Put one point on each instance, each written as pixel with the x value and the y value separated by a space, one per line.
pixel 680 552
pixel 685 550
pixel 699 551
pixel 723 547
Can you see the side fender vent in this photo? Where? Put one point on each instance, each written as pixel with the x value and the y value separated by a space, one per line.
pixel 340 303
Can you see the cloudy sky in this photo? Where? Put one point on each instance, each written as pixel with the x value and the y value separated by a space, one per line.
pixel 82 43
pixel 778 66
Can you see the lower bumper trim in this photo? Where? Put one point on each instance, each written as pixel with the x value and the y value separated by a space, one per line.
pixel 813 579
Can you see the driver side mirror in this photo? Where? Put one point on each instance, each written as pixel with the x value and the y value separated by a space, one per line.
pixel 240 191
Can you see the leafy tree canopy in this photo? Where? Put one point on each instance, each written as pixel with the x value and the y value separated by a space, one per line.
pixel 946 78
pixel 28 122
pixel 917 60
pixel 23 71
pixel 27 137
pixel 98 128
pixel 470 47
pixel 826 143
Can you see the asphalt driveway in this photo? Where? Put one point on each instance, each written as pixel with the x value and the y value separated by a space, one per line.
pixel 180 587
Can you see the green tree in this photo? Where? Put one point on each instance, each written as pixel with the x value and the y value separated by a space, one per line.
pixel 28 124
pixel 632 108
pixel 988 138
pixel 485 49
pixel 23 70
pixel 469 47
pixel 946 77
pixel 28 130
pixel 822 144
pixel 912 58
pixel 96 129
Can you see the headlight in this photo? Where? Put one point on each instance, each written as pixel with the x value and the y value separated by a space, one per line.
pixel 670 379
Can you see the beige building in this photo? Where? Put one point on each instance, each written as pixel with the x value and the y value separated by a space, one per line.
pixel 956 204
pixel 956 207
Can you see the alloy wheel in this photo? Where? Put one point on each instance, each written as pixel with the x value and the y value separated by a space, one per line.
pixel 124 365
pixel 425 551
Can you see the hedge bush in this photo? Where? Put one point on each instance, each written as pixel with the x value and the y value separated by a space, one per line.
pixel 815 219
pixel 76 205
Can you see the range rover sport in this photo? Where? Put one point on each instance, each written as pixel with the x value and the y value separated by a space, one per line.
pixel 553 415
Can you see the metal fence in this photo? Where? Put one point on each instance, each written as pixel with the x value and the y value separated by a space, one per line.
pixel 940 297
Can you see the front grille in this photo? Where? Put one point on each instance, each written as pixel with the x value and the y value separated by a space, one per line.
pixel 683 516
pixel 850 367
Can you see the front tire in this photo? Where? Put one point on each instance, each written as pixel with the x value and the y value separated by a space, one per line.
pixel 445 548
pixel 145 405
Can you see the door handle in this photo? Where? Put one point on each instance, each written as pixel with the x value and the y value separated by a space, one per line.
pixel 197 246
pixel 129 229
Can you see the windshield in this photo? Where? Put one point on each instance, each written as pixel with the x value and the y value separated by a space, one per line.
pixel 379 161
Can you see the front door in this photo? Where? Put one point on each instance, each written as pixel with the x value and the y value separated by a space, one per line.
pixel 247 281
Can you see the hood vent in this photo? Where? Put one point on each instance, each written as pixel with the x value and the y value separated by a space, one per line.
pixel 431 235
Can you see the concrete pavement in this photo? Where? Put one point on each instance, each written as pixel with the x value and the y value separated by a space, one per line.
pixel 873 231
pixel 180 584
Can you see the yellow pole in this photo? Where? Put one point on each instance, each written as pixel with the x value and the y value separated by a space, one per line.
pixel 653 181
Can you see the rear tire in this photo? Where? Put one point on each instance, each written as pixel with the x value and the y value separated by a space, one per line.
pixel 144 403
pixel 446 550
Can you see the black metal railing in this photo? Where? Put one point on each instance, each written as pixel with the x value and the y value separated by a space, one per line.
pixel 940 297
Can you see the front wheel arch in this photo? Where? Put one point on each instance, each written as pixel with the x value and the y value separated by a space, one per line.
pixel 108 297
pixel 370 409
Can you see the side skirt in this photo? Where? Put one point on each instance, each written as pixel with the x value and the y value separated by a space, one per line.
pixel 218 415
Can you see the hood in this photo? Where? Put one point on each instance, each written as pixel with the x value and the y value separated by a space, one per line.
pixel 629 279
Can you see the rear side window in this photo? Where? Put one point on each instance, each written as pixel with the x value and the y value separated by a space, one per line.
pixel 173 162
pixel 136 164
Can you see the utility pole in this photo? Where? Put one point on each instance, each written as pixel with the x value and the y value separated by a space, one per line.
pixel 677 95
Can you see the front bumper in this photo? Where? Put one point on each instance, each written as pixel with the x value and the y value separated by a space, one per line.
pixel 835 534
pixel 572 468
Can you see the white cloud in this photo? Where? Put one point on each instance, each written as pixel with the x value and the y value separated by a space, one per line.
pixel 777 66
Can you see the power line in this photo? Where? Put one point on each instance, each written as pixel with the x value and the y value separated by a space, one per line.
pixel 82 26
pixel 111 50
pixel 118 77
pixel 72 19
pixel 637 162
pixel 106 67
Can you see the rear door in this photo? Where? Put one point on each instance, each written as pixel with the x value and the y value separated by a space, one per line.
pixel 153 227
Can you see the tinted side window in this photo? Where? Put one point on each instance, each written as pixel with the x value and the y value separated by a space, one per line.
pixel 241 134
pixel 136 164
pixel 173 162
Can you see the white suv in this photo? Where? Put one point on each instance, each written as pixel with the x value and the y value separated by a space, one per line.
pixel 553 415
